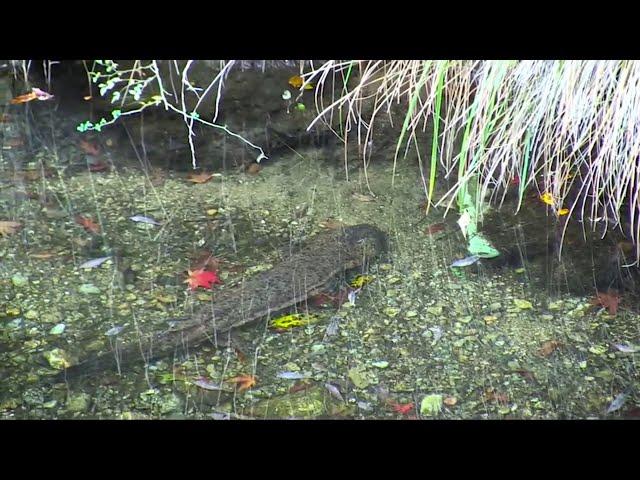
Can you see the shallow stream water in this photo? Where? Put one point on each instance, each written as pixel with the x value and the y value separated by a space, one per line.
pixel 515 339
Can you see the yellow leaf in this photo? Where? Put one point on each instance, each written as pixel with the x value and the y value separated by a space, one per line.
pixel 547 198
pixel 292 320
pixel 296 82
pixel 563 211
pixel 361 280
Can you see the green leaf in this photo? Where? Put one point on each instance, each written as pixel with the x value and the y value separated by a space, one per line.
pixel 57 329
pixel 480 246
pixel 431 405
pixel 88 288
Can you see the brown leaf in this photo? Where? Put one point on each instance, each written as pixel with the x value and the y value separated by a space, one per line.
pixel 491 395
pixel 609 300
pixel 27 97
pixel 435 228
pixel 202 177
pixel 526 374
pixel 450 401
pixel 7 227
pixel 88 147
pixel 98 166
pixel 88 224
pixel 253 169
pixel 301 385
pixel 14 142
pixel 243 381
pixel 549 347
pixel 43 255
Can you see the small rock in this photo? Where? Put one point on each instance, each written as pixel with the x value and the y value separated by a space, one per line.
pixel 78 403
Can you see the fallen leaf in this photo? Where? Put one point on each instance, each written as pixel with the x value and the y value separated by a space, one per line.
pixel 549 347
pixel 98 166
pixel 7 227
pixel 450 401
pixel 547 198
pixel 301 385
pixel 296 82
pixel 41 94
pixel 609 300
pixel 526 374
pixel 88 224
pixel 617 403
pixel 202 177
pixel 362 198
pixel 243 381
pixel 27 97
pixel 434 228
pixel 14 142
pixel 563 211
pixel 240 354
pixel 88 147
pixel 401 408
pixel 491 395
pixel 253 169
pixel 201 278
pixel 43 255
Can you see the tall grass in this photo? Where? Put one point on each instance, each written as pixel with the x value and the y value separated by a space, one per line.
pixel 567 128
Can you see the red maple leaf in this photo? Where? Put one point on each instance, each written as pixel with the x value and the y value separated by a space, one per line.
pixel 608 300
pixel 88 147
pixel 88 224
pixel 201 278
pixel 401 408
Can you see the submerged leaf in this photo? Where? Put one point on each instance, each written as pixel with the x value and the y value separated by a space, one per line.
pixel 401 408
pixel 609 300
pixel 627 348
pixel 243 381
pixel 88 224
pixel 202 177
pixel 201 278
pixel 465 262
pixel 617 403
pixel 8 227
pixel 547 198
pixel 549 347
pixel 95 262
pixel 293 320
pixel 431 405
